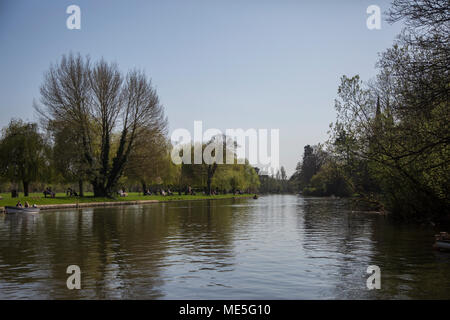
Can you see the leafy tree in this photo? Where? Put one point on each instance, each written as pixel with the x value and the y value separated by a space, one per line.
pixel 313 158
pixel 23 154
pixel 150 161
pixel 329 180
pixel 392 135
pixel 219 174
pixel 67 154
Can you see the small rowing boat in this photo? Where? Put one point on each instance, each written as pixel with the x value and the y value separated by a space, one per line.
pixel 442 241
pixel 443 244
pixel 9 209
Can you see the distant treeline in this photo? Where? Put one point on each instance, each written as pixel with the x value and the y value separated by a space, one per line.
pixel 390 142
pixel 278 183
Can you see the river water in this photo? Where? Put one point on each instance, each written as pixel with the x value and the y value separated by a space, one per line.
pixel 276 247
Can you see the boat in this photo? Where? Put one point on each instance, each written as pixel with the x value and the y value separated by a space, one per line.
pixel 445 244
pixel 9 209
pixel 442 241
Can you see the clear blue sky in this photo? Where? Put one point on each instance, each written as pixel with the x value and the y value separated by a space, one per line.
pixel 230 63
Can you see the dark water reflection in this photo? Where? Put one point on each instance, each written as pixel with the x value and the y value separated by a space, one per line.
pixel 277 247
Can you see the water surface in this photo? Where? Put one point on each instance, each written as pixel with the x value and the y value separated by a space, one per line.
pixel 276 247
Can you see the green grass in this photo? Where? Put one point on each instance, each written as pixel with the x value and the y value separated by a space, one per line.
pixel 61 198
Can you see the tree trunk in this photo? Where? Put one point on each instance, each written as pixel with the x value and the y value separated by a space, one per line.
pixel 101 190
pixel 210 175
pixel 144 187
pixel 26 186
pixel 208 186
pixel 80 187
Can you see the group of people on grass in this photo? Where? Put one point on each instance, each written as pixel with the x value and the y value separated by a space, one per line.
pixel 187 191
pixel 161 192
pixel 48 192
pixel 70 192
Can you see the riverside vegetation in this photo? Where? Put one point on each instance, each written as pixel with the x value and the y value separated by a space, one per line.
pixel 390 142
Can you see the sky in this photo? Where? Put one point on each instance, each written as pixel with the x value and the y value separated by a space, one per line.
pixel 262 64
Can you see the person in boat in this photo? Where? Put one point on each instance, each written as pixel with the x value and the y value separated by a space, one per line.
pixel 19 205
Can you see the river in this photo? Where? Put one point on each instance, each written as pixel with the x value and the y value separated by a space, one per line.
pixel 275 247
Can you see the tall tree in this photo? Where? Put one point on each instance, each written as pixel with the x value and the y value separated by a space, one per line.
pixel 101 105
pixel 313 158
pixel 283 173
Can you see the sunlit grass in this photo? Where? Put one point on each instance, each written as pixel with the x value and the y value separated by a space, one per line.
pixel 62 198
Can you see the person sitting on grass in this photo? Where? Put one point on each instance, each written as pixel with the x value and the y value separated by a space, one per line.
pixel 190 191
pixel 70 192
pixel 27 205
pixel 49 192
pixel 18 204
pixel 122 193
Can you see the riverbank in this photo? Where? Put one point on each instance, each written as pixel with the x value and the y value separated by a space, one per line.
pixel 61 201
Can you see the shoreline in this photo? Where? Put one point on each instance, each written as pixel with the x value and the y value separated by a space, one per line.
pixel 93 204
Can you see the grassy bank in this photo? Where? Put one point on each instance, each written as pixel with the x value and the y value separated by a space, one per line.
pixel 61 198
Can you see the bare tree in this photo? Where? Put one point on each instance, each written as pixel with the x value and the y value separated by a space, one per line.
pixel 106 109
pixel 432 15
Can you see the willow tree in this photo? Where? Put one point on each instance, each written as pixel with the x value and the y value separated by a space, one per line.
pixel 150 162
pixel 23 154
pixel 101 104
pixel 219 167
